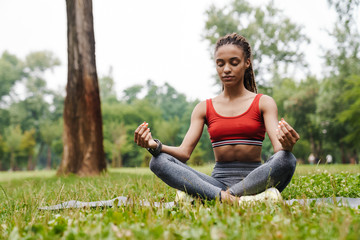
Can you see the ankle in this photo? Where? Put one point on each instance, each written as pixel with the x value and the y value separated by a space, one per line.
pixel 226 196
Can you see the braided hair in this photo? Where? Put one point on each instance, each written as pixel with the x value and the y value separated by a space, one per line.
pixel 241 42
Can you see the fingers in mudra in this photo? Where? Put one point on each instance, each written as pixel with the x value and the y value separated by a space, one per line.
pixel 286 135
pixel 290 133
pixel 144 136
pixel 147 139
pixel 141 133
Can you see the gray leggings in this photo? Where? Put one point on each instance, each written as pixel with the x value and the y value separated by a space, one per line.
pixel 240 178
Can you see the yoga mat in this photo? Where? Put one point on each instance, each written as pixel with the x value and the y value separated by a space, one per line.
pixel 119 201
pixel 123 201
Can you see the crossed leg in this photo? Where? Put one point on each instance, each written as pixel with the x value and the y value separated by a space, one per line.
pixel 178 175
pixel 276 172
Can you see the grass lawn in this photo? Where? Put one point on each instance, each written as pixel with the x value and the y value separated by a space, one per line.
pixel 21 193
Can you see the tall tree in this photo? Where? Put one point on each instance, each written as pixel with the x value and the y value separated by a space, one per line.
pixel 13 141
pixel 342 61
pixel 49 131
pixel 83 137
pixel 11 70
pixel 351 115
pixel 27 147
pixel 300 105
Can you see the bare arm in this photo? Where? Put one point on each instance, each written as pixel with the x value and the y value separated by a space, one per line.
pixel 281 134
pixel 144 139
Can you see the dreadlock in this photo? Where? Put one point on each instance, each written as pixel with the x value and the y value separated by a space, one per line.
pixel 241 42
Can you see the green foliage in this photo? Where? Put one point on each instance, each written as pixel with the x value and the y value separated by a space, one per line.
pixel 13 142
pixel 22 118
pixel 23 193
pixel 302 150
pixel 50 131
pixel 267 149
pixel 115 139
pixel 346 11
pixel 41 61
pixel 106 87
pixel 342 61
pixel 131 93
pixel 197 157
pixel 2 151
pixel 28 143
pixel 351 115
pixel 18 145
pixel 167 112
pixel 51 135
pixel 282 91
pixel 168 130
pixel 11 71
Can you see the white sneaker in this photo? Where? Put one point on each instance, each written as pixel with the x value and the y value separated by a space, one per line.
pixel 269 195
pixel 183 198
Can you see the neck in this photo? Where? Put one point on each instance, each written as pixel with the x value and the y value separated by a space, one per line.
pixel 235 92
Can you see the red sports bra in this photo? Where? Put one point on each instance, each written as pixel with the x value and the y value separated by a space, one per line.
pixel 247 128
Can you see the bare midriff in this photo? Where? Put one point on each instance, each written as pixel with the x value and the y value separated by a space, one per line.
pixel 238 153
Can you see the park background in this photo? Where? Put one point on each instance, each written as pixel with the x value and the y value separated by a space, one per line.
pixel 154 64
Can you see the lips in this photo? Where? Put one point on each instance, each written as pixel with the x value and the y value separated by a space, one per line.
pixel 227 77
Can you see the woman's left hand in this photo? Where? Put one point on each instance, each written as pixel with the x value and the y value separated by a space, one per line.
pixel 143 138
pixel 286 135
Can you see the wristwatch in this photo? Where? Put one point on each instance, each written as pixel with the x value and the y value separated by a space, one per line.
pixel 156 151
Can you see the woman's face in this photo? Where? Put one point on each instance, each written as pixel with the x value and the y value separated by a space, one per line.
pixel 231 64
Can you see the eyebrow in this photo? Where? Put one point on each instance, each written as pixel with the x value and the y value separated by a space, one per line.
pixel 231 59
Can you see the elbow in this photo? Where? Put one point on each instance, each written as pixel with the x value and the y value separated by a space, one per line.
pixel 185 157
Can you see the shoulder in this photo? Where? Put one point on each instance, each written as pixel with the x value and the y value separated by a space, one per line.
pixel 200 109
pixel 267 103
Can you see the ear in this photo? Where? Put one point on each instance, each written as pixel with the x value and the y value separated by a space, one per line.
pixel 247 63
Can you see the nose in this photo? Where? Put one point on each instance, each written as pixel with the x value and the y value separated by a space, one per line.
pixel 227 68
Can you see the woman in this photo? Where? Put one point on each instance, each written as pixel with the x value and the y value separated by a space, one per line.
pixel 237 120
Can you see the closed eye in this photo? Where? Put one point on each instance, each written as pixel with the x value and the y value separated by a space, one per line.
pixel 235 61
pixel 220 63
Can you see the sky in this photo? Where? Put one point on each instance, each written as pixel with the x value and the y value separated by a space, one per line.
pixel 140 40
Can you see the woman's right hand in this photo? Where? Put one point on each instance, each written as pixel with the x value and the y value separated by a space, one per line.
pixel 142 136
pixel 286 135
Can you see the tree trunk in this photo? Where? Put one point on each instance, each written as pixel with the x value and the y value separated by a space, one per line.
pixel 113 162
pixel 353 157
pixel 48 158
pixel 343 154
pixel 83 137
pixel 119 161
pixel 37 157
pixel 320 152
pixel 30 165
pixel 12 161
pixel 116 161
pixel 314 148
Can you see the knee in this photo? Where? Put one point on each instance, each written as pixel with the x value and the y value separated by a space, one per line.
pixel 154 164
pixel 287 160
pixel 157 164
